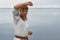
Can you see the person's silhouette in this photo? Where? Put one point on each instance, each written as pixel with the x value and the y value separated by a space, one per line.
pixel 20 21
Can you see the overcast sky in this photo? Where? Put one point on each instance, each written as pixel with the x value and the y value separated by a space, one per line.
pixel 37 3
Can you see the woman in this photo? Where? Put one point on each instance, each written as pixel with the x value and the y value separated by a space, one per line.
pixel 20 21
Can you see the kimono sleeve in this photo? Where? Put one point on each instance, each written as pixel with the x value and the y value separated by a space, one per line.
pixel 15 16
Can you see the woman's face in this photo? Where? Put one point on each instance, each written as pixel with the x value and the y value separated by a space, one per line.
pixel 24 12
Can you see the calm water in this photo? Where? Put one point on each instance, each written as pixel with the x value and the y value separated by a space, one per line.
pixel 44 23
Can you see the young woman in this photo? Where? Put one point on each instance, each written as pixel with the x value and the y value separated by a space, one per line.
pixel 20 21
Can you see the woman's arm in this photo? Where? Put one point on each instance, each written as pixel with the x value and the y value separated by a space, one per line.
pixel 29 31
pixel 15 16
pixel 18 6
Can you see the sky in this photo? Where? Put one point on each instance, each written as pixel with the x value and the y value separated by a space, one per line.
pixel 36 3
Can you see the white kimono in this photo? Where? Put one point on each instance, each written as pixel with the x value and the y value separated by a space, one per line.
pixel 21 27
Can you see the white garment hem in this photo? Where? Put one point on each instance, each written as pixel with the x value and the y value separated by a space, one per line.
pixel 16 38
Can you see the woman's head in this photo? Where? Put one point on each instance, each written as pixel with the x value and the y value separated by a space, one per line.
pixel 24 11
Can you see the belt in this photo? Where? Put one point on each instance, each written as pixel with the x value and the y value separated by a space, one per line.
pixel 21 37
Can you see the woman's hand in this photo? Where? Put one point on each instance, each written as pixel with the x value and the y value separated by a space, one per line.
pixel 29 32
